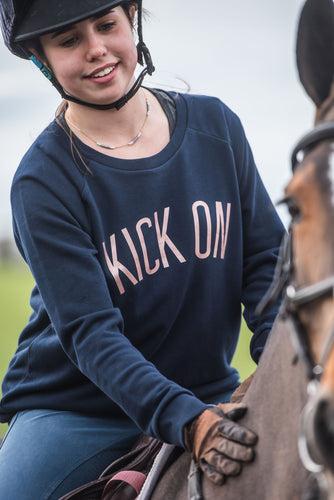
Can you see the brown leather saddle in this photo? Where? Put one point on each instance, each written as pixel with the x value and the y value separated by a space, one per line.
pixel 124 478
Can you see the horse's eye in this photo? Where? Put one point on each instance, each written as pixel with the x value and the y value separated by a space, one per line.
pixel 293 208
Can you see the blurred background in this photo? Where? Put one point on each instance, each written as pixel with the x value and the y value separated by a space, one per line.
pixel 240 51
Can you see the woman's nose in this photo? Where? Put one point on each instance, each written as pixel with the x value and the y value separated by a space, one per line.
pixel 95 48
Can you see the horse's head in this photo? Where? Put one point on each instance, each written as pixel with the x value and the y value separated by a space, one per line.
pixel 310 199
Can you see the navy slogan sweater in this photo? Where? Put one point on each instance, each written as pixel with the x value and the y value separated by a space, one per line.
pixel 141 267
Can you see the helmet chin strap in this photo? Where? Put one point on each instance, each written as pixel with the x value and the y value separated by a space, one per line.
pixel 143 53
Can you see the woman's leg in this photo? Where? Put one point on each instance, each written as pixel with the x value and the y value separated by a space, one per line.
pixel 46 453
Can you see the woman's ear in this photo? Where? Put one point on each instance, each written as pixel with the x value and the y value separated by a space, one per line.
pixel 37 50
pixel 132 14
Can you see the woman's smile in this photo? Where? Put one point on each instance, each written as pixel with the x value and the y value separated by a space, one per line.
pixel 104 74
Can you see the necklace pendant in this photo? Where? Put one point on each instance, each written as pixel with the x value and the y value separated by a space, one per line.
pixel 134 140
pixel 105 146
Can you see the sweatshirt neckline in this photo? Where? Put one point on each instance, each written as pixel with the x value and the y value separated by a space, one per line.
pixel 90 155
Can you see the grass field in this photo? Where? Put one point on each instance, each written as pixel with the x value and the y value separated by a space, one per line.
pixel 15 287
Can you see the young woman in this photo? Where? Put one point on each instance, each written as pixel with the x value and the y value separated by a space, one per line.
pixel 145 224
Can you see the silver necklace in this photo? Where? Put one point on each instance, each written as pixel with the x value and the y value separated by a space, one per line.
pixel 105 146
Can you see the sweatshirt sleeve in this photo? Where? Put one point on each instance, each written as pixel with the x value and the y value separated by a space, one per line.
pixel 263 232
pixel 52 232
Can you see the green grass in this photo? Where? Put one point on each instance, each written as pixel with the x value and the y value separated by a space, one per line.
pixel 242 359
pixel 15 287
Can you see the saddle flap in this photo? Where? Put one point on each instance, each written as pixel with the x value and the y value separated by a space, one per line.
pixel 139 459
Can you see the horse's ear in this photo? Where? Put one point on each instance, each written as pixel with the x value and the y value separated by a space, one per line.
pixel 315 48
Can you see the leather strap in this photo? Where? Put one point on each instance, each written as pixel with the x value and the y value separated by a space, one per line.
pixel 320 133
pixel 133 478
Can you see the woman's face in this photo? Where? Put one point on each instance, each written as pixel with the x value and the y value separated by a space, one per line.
pixel 95 59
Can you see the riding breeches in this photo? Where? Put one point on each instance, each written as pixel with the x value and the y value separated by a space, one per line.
pixel 45 453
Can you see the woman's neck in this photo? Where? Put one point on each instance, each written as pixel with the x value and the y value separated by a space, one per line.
pixel 141 121
pixel 111 127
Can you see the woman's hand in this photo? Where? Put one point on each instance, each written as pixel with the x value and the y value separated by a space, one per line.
pixel 218 444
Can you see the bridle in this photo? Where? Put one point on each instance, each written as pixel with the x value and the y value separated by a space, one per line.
pixel 296 297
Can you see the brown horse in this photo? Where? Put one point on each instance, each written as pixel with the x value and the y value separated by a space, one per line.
pixel 278 392
pixel 311 196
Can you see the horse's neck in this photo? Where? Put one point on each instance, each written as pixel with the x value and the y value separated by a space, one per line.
pixel 278 378
pixel 275 400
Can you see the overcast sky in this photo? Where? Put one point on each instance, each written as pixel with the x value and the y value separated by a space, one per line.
pixel 241 51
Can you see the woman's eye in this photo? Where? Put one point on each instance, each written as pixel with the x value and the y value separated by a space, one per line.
pixel 107 26
pixel 69 43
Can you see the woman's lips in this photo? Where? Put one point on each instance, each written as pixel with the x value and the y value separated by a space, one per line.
pixel 105 74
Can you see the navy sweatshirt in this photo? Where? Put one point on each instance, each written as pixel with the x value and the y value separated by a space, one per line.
pixel 141 267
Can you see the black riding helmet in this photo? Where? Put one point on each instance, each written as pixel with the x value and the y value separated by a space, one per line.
pixel 22 20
